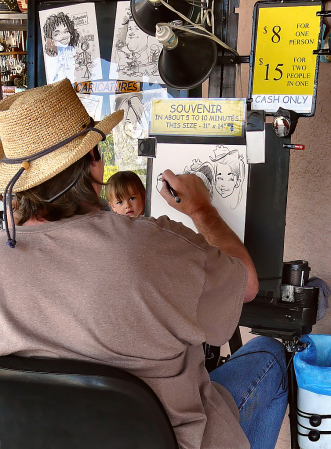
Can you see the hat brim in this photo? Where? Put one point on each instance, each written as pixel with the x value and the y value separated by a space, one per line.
pixel 222 156
pixel 53 163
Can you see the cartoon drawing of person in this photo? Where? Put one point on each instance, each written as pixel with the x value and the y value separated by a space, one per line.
pixel 205 171
pixel 135 56
pixel 134 122
pixel 229 173
pixel 84 60
pixel 61 40
pixel 224 176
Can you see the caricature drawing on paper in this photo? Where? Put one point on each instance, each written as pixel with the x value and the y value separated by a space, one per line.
pixel 229 172
pixel 134 126
pixel 61 40
pixel 135 121
pixel 70 43
pixel 136 57
pixel 84 60
pixel 205 171
pixel 223 170
pixel 135 54
pixel 225 176
pixel 92 104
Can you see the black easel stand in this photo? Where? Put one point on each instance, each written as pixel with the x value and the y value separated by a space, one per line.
pixel 292 400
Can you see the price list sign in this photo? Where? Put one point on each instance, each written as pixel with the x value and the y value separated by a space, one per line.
pixel 284 71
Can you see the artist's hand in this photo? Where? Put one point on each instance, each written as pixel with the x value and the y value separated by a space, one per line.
pixel 190 189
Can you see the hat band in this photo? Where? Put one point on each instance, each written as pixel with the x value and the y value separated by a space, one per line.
pixel 11 241
pixel 41 153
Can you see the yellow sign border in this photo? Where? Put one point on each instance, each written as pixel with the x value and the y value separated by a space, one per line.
pixel 284 71
pixel 212 117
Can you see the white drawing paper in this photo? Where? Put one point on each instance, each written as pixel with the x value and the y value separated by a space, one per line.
pixel 92 104
pixel 135 54
pixel 70 43
pixel 223 169
pixel 137 108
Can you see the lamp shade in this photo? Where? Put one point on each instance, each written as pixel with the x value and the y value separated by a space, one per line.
pixel 147 13
pixel 189 63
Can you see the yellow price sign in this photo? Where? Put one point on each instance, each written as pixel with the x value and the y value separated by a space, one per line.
pixel 284 66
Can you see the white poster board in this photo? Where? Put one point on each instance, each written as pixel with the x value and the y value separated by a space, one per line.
pixel 223 168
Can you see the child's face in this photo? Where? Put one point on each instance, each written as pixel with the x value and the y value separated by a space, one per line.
pixel 131 205
pixel 226 181
pixel 61 34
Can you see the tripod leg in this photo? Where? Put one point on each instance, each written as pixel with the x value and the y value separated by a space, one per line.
pixel 235 341
pixel 292 400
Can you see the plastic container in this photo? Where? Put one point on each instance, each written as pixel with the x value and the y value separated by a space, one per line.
pixel 313 373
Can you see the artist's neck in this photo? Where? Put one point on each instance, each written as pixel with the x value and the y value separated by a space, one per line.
pixel 39 219
pixel 35 220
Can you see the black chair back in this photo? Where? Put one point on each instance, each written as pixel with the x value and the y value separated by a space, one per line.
pixel 68 404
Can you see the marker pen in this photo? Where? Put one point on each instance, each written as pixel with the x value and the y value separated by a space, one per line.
pixel 293 146
pixel 173 192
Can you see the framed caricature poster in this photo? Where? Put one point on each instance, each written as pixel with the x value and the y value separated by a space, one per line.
pixel 110 62
pixel 98 47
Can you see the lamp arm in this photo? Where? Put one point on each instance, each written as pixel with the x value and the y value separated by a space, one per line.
pixel 207 33
pixel 189 30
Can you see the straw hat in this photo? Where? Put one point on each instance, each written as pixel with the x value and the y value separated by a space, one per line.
pixel 40 118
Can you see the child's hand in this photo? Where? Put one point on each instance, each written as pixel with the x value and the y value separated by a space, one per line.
pixel 189 188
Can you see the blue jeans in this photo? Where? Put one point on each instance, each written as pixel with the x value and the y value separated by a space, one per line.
pixel 256 377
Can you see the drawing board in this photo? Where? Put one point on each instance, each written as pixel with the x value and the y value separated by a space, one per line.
pixel 223 169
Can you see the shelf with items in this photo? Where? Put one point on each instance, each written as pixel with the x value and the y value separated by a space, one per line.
pixel 13 16
pixel 13 21
pixel 13 60
pixel 7 53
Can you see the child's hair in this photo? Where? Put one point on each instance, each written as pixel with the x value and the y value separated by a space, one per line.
pixel 119 184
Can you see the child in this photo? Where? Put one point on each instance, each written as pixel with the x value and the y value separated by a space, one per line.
pixel 125 194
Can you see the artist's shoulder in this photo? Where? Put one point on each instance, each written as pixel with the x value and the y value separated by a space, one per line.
pixel 149 229
pixel 165 226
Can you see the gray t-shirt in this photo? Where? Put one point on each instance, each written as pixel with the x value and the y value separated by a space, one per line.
pixel 140 294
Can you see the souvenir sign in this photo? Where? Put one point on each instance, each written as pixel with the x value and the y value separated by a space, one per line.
pixel 211 117
pixel 284 69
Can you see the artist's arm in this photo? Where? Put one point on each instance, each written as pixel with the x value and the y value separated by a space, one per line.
pixel 195 202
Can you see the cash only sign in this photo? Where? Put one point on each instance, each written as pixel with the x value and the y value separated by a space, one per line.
pixel 284 69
